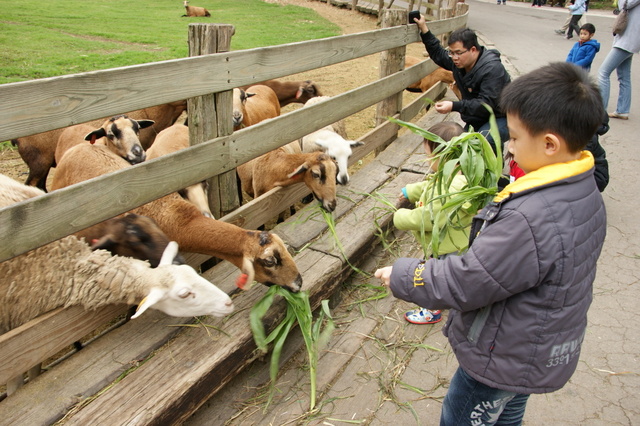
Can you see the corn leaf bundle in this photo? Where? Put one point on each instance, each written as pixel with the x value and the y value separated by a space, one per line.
pixel 471 155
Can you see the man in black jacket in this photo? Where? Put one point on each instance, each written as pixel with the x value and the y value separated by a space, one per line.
pixel 478 72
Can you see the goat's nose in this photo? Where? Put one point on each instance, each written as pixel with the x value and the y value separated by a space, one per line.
pixel 329 205
pixel 343 179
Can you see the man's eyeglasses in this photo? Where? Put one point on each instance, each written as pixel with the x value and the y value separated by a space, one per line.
pixel 457 54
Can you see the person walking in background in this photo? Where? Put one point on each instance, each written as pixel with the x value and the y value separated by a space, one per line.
pixel 577 9
pixel 535 3
pixel 419 220
pixel 565 26
pixel 584 51
pixel 479 74
pixel 619 59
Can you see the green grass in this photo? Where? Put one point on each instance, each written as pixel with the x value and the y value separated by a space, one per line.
pixel 57 37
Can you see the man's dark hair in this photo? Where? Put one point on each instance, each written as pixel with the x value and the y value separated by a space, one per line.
pixel 467 36
pixel 557 98
pixel 590 28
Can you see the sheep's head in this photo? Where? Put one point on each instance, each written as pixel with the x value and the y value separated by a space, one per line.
pixel 270 262
pixel 181 292
pixel 318 172
pixel 239 101
pixel 122 137
pixel 307 90
pixel 135 236
pixel 340 150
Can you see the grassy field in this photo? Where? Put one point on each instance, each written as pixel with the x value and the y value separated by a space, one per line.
pixel 57 37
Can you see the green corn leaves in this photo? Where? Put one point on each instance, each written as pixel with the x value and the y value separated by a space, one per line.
pixel 298 310
pixel 471 155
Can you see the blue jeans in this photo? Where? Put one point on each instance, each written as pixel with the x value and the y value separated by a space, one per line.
pixel 619 60
pixel 502 128
pixel 469 402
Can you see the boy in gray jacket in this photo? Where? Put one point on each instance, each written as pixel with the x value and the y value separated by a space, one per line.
pixel 519 296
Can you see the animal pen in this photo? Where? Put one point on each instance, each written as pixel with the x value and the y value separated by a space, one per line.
pixel 107 378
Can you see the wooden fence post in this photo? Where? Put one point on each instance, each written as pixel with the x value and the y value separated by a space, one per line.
pixel 210 115
pixel 391 61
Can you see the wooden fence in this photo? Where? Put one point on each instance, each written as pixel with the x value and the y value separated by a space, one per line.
pixel 41 105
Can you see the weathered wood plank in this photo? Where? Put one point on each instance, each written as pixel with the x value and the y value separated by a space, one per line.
pixel 48 397
pixel 40 105
pixel 35 341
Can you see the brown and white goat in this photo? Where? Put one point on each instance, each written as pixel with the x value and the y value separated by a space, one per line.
pixel 119 134
pixel 254 105
pixel 172 139
pixel 38 151
pixel 262 256
pixel 286 166
pixel 426 82
pixel 193 11
pixel 299 91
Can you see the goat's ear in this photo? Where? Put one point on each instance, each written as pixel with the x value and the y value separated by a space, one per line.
pixel 299 93
pixel 299 171
pixel 248 95
pixel 155 295
pixel 170 252
pixel 356 143
pixel 145 123
pixel 248 273
pixel 96 134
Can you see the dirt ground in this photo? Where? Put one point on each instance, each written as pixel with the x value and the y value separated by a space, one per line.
pixel 333 80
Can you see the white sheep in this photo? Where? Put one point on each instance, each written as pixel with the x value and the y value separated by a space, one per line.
pixel 299 91
pixel 38 151
pixel 332 140
pixel 67 272
pixel 286 166
pixel 119 133
pixel 261 256
pixel 254 105
pixel 192 11
pixel 172 139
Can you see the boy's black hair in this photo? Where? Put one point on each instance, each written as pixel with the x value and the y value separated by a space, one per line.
pixel 590 28
pixel 447 130
pixel 558 98
pixel 467 36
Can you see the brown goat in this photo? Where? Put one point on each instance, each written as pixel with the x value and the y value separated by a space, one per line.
pixel 292 91
pixel 428 81
pixel 262 256
pixel 193 11
pixel 254 105
pixel 172 139
pixel 119 134
pixel 286 166
pixel 38 151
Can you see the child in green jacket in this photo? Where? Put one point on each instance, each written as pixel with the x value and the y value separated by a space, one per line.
pixel 419 219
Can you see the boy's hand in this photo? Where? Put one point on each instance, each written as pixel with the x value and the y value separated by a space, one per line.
pixel 401 197
pixel 385 275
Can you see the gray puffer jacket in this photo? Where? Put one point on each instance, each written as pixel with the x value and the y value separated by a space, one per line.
pixel 519 296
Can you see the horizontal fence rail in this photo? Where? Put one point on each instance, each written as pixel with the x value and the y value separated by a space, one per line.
pixel 32 223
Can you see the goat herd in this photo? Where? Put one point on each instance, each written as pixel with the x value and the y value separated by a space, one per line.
pixel 147 233
pixel 138 261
